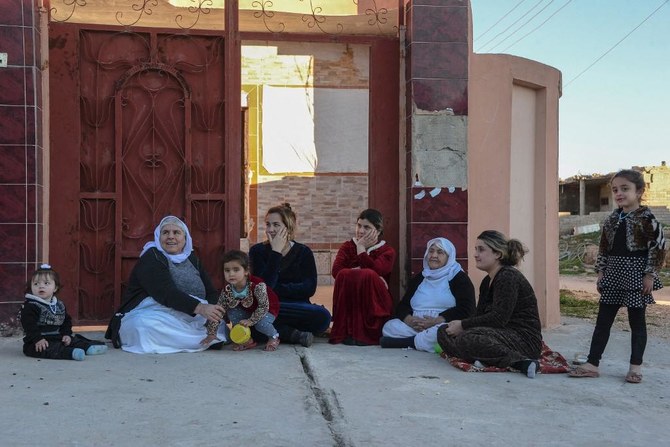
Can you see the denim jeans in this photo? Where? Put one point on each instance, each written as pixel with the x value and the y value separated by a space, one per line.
pixel 264 326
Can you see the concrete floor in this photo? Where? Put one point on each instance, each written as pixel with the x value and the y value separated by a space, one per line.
pixel 330 395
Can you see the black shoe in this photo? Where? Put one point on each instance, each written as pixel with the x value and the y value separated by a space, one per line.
pixel 301 338
pixel 350 341
pixel 306 339
pixel 528 367
pixel 390 342
pixel 216 346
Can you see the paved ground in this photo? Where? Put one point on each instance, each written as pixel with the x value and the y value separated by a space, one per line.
pixel 329 396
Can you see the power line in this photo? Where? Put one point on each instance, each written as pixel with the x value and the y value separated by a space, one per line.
pixel 537 27
pixel 513 23
pixel 523 24
pixel 615 45
pixel 499 20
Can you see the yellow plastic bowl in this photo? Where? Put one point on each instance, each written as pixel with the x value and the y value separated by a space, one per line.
pixel 240 334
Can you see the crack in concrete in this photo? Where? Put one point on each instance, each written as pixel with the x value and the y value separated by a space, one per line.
pixel 456 152
pixel 329 405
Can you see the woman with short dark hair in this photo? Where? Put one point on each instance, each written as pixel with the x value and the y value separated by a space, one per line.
pixel 361 299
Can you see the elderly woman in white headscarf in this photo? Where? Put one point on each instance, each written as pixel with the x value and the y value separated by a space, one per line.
pixel 440 293
pixel 169 296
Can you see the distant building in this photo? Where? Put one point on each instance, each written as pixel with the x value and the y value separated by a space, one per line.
pixel 658 185
pixel 584 194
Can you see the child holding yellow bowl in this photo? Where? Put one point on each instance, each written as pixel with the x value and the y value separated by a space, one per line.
pixel 247 301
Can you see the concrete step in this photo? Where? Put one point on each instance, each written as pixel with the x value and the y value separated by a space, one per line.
pixel 662 214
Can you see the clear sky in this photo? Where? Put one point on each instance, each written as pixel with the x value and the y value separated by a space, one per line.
pixel 616 114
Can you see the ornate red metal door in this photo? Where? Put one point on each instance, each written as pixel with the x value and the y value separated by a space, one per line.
pixel 149 141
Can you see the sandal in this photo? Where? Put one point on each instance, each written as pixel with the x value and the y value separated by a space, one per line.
pixel 324 334
pixel 251 344
pixel 583 372
pixel 633 377
pixel 272 344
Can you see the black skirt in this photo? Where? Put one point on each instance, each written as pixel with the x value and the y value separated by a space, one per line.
pixel 622 282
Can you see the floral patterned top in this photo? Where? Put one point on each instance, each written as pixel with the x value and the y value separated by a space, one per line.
pixel 643 232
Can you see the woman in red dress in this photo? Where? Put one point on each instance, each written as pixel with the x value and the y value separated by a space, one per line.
pixel 361 299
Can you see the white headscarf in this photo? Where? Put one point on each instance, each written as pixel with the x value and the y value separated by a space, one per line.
pixel 450 269
pixel 434 293
pixel 156 243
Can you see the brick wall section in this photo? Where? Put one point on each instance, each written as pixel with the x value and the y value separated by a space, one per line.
pixel 325 65
pixel 323 203
pixel 658 192
pixel 323 206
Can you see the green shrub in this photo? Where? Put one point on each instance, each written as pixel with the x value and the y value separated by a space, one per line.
pixel 571 267
pixel 572 306
pixel 664 276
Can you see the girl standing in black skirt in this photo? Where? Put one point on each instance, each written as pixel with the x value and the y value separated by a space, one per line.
pixel 631 253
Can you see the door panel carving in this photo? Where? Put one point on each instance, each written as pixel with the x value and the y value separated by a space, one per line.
pixel 150 143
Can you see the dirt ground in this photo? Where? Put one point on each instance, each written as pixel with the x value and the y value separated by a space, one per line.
pixel 658 315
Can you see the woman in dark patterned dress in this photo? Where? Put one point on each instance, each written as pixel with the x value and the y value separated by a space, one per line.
pixel 631 253
pixel 505 330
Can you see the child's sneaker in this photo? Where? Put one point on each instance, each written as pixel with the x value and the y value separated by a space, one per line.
pixel 78 354
pixel 96 349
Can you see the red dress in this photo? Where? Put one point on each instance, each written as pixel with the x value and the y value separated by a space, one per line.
pixel 361 300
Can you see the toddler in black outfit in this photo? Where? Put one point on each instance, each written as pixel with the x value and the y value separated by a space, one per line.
pixel 46 324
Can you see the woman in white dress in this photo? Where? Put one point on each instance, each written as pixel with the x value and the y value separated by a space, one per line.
pixel 169 296
pixel 440 293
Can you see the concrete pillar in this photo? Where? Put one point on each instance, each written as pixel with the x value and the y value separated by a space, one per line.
pixel 582 197
pixel 436 120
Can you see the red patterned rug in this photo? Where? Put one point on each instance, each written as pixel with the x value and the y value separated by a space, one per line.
pixel 551 362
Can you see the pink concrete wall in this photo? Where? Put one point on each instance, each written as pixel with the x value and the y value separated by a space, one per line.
pixel 494 143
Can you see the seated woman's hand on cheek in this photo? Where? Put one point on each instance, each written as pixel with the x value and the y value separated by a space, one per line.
pixel 289 268
pixel 362 267
pixel 278 238
pixel 366 235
